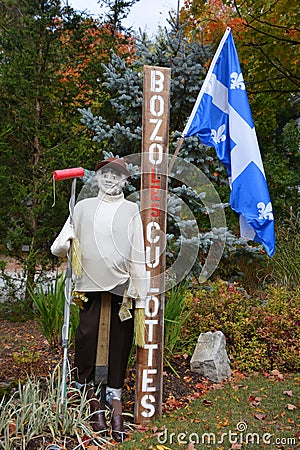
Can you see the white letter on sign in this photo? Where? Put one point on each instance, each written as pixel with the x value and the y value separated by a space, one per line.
pixel 151 309
pixel 161 105
pixel 154 136
pixel 147 380
pixel 157 81
pixel 153 153
pixel 150 262
pixel 150 226
pixel 147 405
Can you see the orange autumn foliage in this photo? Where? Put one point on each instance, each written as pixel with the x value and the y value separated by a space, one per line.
pixel 209 19
pixel 86 53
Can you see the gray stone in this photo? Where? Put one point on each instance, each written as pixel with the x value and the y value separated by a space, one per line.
pixel 210 357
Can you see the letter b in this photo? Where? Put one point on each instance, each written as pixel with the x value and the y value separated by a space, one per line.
pixel 157 81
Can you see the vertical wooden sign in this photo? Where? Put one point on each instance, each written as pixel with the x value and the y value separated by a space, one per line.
pixel 156 107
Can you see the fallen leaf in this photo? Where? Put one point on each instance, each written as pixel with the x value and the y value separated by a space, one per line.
pixel 275 373
pixel 85 440
pixel 142 428
pixel 260 416
pixel 291 421
pixel 255 401
pixel 218 386
pixel 188 378
pixel 12 427
pixel 194 395
pixel 223 423
pixel 289 393
pixel 207 402
pixel 236 446
pixel 191 446
pixel 291 407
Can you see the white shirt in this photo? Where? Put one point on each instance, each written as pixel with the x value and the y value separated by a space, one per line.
pixel 110 233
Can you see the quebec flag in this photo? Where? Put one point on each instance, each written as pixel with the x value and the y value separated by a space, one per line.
pixel 222 118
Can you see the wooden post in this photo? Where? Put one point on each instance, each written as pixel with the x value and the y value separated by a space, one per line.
pixel 156 107
pixel 101 367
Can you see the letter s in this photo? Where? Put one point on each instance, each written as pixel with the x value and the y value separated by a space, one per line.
pixel 149 406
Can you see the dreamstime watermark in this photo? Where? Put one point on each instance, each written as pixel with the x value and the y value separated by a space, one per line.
pixel 241 435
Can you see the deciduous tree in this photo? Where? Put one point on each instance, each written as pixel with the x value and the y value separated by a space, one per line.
pixel 267 37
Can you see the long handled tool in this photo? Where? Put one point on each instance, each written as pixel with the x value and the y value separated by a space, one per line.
pixel 65 174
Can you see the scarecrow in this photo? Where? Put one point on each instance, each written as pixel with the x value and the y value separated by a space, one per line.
pixel 111 288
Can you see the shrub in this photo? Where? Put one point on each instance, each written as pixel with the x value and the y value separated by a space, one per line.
pixel 262 333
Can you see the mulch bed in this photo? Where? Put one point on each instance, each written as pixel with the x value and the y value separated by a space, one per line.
pixel 25 351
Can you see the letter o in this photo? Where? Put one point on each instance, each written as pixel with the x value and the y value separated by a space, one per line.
pixel 155 157
pixel 156 304
pixel 154 101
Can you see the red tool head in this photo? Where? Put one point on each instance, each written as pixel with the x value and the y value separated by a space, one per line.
pixel 64 174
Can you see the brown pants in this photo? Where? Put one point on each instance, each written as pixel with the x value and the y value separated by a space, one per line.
pixel 121 336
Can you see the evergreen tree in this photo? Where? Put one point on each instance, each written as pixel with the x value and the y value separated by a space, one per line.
pixel 117 10
pixel 36 126
pixel 50 64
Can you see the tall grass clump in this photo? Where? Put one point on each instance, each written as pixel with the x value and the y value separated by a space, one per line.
pixel 176 315
pixel 49 310
pixel 35 411
pixel 284 267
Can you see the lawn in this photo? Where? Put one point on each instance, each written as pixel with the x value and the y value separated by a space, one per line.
pixel 256 412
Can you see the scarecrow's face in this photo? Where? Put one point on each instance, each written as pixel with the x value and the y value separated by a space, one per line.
pixel 111 181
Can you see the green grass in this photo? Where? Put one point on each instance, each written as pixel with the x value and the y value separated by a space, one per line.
pixel 249 412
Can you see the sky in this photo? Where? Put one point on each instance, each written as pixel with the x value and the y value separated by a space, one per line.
pixel 146 14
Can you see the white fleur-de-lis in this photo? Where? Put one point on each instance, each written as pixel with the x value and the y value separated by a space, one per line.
pixel 219 136
pixel 265 211
pixel 237 81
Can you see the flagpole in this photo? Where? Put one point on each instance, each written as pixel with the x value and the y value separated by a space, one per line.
pixel 200 95
pixel 179 145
